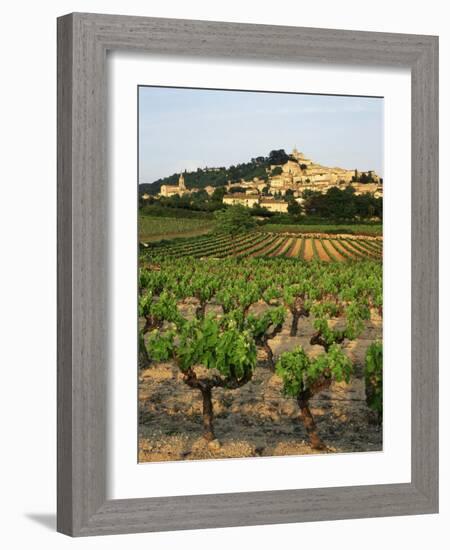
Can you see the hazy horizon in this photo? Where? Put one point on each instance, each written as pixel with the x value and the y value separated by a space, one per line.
pixel 185 129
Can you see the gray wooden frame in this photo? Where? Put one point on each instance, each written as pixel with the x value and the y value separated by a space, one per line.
pixel 83 40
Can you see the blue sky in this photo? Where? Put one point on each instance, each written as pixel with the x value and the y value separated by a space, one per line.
pixel 183 129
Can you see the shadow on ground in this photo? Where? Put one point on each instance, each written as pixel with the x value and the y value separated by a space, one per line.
pixel 46 520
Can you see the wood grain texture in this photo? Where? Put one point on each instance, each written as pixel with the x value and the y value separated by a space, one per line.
pixel 83 40
pixel 64 230
pixel 425 272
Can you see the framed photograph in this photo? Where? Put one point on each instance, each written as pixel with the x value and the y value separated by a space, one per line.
pixel 247 274
pixel 256 277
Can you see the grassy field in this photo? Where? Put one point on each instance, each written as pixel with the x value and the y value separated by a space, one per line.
pixel 351 229
pixel 157 228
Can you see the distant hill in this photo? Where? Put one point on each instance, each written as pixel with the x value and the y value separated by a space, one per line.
pixel 219 176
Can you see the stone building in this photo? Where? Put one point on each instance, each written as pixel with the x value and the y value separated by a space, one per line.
pixel 241 198
pixel 300 173
pixel 181 189
pixel 171 190
pixel 297 175
pixel 250 200
pixel 375 188
pixel 256 185
pixel 273 205
pixel 300 157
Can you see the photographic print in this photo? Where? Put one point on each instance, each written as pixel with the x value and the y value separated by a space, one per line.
pixel 260 297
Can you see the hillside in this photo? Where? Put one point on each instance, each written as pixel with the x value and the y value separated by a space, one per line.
pixel 218 176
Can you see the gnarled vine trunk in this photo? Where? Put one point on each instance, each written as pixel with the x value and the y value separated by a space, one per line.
pixel 294 325
pixel 269 354
pixel 208 413
pixel 143 359
pixel 308 421
pixel 264 342
pixel 200 310
pixel 206 386
pixel 297 311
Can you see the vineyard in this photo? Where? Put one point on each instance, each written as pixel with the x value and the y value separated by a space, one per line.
pixel 256 244
pixel 372 230
pixel 152 228
pixel 260 344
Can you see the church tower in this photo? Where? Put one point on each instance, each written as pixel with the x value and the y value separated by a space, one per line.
pixel 181 184
pixel 296 154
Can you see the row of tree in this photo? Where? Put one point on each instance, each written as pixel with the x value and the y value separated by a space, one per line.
pixel 342 205
pixel 335 204
pixel 199 201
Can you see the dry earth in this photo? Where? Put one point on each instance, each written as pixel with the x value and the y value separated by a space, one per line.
pixel 255 420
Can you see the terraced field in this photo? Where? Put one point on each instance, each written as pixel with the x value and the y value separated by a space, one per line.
pixel 306 247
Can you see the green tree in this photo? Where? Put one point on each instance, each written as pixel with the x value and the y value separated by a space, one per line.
pixel 278 156
pixel 294 208
pixel 218 194
pixel 277 171
pixel 303 377
pixel 227 357
pixel 234 220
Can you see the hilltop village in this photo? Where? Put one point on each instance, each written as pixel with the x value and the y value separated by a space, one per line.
pixel 290 178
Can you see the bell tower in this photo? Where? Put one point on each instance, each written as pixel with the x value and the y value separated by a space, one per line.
pixel 181 184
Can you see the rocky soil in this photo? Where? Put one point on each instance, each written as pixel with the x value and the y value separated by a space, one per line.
pixel 255 420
